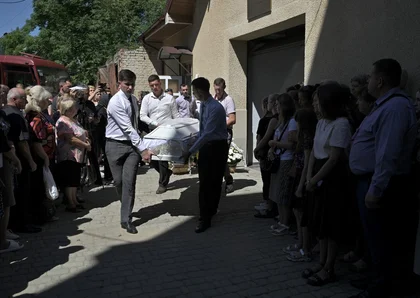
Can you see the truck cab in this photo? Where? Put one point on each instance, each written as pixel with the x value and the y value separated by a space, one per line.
pixel 31 70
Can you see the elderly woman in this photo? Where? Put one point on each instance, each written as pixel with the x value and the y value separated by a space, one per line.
pixel 43 148
pixel 72 144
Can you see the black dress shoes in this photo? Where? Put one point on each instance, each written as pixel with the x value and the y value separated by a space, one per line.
pixel 129 227
pixel 29 229
pixel 202 226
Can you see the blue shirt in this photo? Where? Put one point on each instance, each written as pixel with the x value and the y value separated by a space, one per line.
pixel 212 123
pixel 384 143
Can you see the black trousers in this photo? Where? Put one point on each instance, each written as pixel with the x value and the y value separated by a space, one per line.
pixel 101 149
pixel 390 232
pixel 212 161
pixel 20 214
pixel 266 180
pixel 162 167
pixel 227 175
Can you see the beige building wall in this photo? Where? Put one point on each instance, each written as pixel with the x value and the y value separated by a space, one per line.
pixel 142 61
pixel 343 38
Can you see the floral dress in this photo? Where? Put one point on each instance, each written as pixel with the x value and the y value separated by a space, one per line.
pixel 66 151
pixel 43 131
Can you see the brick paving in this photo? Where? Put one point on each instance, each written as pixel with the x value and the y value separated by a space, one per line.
pixel 89 255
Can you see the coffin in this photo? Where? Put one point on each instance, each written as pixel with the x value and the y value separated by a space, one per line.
pixel 172 138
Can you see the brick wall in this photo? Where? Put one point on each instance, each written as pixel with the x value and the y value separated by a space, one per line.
pixel 142 61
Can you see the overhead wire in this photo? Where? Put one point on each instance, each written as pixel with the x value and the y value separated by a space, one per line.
pixel 12 2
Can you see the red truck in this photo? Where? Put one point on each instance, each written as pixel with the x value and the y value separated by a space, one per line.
pixel 31 70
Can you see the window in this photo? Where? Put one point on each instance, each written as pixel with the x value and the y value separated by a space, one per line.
pixel 49 77
pixel 172 82
pixel 16 74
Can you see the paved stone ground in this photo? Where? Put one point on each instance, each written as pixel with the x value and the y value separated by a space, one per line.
pixel 89 255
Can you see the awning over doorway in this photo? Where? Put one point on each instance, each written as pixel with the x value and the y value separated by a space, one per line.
pixel 177 16
pixel 169 53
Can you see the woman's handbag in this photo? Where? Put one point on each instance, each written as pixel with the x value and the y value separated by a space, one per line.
pixel 273 165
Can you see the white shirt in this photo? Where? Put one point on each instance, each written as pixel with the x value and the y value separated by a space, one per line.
pixel 336 133
pixel 155 110
pixel 288 154
pixel 228 104
pixel 119 125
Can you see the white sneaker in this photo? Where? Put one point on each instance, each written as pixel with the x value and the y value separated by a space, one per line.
pixel 276 226
pixel 229 188
pixel 11 236
pixel 282 230
pixel 262 206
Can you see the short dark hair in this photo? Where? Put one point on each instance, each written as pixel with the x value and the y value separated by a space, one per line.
pixel 168 90
pixel 126 75
pixel 390 70
pixel 201 84
pixel 332 100
pixel 220 82
pixel 62 81
pixel 307 92
pixel 307 121
pixel 153 78
pixel 287 106
pixel 183 85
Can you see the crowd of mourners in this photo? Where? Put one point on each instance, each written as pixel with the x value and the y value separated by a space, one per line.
pixel 66 134
pixel 63 133
pixel 340 164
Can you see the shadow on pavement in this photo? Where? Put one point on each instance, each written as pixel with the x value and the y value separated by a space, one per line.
pixel 236 257
pixel 31 262
pixel 187 204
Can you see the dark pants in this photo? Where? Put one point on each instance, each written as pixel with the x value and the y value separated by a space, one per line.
pixel 162 167
pixel 212 161
pixel 20 213
pixel 93 159
pixel 227 175
pixel 390 232
pixel 266 179
pixel 123 161
pixel 42 208
pixel 101 149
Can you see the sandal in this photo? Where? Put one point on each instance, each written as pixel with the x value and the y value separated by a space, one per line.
pixel 317 281
pixel 350 257
pixel 308 272
pixel 13 246
pixel 291 248
pixel 359 266
pixel 299 256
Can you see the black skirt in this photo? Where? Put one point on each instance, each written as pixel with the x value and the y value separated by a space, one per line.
pixel 324 208
pixel 68 173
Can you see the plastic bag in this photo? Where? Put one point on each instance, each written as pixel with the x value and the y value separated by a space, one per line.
pixel 50 187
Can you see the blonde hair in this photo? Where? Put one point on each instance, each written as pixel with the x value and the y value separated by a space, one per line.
pixel 66 105
pixel 35 96
pixel 91 87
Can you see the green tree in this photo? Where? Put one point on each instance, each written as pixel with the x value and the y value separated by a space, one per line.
pixel 83 34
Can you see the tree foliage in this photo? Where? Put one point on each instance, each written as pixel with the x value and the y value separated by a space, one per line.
pixel 83 34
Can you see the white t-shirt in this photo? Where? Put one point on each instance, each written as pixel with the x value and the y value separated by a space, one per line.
pixel 288 154
pixel 336 133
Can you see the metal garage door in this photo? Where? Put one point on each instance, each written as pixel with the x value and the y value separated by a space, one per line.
pixel 270 70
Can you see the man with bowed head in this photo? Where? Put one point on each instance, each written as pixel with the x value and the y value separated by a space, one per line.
pixel 124 145
pixel 213 152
